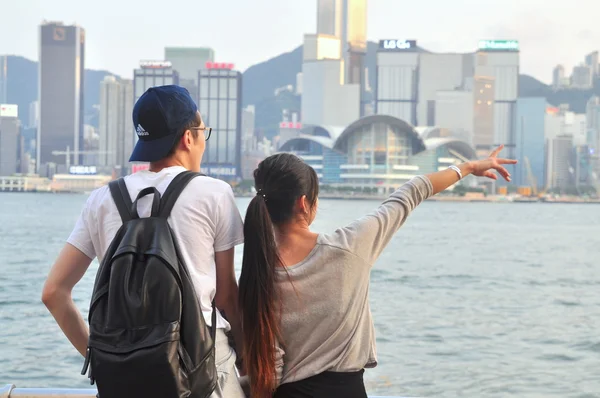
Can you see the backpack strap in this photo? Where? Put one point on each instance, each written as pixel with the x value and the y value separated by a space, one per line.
pixel 174 190
pixel 120 194
pixel 213 324
pixel 155 202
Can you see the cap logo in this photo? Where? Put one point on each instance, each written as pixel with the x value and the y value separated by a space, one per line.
pixel 140 131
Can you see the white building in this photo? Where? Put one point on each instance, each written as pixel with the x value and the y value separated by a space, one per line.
pixel 439 72
pixel 3 79
pixel 593 61
pixel 562 122
pixel 582 77
pixel 10 137
pixel 593 122
pixel 559 78
pixel 410 83
pixel 326 100
pixel 499 60
pixel 187 61
pixel 558 157
pixel 346 20
pixel 115 126
pixel 469 113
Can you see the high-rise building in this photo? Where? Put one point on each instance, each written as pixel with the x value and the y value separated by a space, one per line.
pixel 582 167
pixel 153 74
pixel 593 61
pixel 593 123
pixel 116 132
pixel 187 61
pixel 439 72
pixel 559 80
pixel 530 141
pixel 582 77
pixel 3 79
pixel 561 121
pixel 10 135
pixel 559 161
pixel 346 20
pixel 61 82
pixel 468 113
pixel 397 86
pixel 326 100
pixel 499 59
pixel 34 114
pixel 220 103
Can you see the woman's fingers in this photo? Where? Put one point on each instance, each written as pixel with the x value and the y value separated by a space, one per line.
pixel 490 174
pixel 496 151
pixel 507 161
pixel 503 172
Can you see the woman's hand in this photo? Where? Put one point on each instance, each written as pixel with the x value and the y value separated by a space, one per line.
pixel 481 168
pixel 485 167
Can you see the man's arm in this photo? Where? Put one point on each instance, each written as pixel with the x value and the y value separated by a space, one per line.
pixel 69 268
pixel 226 298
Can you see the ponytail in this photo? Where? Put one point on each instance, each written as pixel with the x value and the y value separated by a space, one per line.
pixel 257 297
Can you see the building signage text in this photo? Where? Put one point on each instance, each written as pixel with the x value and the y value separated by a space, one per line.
pixel 83 170
pixel 499 45
pixel 219 65
pixel 155 64
pixel 219 171
pixel 397 45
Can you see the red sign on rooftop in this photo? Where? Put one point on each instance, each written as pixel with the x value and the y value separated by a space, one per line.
pixel 290 125
pixel 219 65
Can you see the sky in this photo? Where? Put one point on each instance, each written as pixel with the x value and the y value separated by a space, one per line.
pixel 120 33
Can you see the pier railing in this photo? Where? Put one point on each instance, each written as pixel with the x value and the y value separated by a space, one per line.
pixel 10 391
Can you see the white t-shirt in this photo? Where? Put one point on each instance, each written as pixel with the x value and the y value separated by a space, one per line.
pixel 204 220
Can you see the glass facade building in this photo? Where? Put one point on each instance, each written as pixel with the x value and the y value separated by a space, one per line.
pixel 61 81
pixel 220 103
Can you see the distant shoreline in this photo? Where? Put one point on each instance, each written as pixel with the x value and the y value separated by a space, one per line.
pixel 460 199
pixel 437 198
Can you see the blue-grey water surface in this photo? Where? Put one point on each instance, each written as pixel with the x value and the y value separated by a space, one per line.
pixel 469 299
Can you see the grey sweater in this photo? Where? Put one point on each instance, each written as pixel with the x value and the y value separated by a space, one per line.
pixel 326 322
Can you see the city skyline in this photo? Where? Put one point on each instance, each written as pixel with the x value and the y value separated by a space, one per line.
pixel 128 40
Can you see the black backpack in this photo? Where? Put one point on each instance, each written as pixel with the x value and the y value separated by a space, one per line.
pixel 148 337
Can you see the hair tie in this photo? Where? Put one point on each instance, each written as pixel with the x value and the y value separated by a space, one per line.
pixel 261 193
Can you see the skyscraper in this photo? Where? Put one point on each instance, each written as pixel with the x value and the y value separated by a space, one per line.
pixel 593 61
pixel 116 133
pixel 10 135
pixel 187 61
pixel 3 78
pixel 347 21
pixel 220 103
pixel 558 77
pixel 153 74
pixel 499 59
pixel 61 74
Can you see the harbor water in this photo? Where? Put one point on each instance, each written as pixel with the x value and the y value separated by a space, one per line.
pixel 469 299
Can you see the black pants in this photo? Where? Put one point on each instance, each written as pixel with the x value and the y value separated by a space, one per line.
pixel 325 385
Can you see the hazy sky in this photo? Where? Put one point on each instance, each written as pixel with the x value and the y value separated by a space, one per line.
pixel 121 32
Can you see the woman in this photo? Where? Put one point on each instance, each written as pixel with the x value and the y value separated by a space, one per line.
pixel 304 296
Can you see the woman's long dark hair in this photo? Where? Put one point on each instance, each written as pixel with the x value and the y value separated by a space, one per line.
pixel 280 180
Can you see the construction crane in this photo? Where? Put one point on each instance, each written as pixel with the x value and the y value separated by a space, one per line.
pixel 68 154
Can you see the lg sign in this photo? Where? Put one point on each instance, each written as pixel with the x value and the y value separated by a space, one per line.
pixel 397 45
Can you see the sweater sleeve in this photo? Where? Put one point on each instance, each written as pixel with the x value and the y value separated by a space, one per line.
pixel 369 235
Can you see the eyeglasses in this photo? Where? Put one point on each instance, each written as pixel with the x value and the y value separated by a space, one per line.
pixel 207 131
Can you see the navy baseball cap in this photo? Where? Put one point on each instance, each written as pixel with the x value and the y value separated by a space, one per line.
pixel 159 114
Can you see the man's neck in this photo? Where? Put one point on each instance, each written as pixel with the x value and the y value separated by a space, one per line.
pixel 155 167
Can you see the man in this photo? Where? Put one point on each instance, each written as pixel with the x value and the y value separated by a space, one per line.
pixel 205 221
